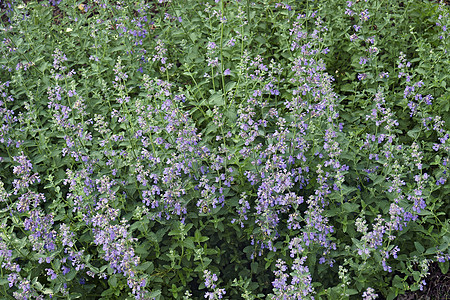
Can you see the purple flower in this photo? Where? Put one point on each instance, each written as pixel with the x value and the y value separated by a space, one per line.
pixel 24 171
pixel 212 45
pixel 231 42
pixel 300 286
pixel 210 280
pixel 441 181
pixel 362 76
pixel 65 270
pixel 353 37
pixel 365 15
pixel 349 12
pixel 369 294
pixel 13 279
pixel 52 274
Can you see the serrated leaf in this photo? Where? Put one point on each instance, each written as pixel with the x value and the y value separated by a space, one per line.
pixel 206 261
pixel 254 267
pixel 261 40
pixel 347 87
pixel 44 66
pixel 155 294
pixel 75 296
pixel 216 99
pixel 118 48
pixel 352 292
pixel 144 266
pixel 444 267
pixel 348 189
pixel 230 85
pixel 112 280
pixel 420 71
pixel 141 250
pixel 398 282
pixel 211 128
pixel 189 243
pixel 193 36
pixel 174 232
pixel 414 133
pixel 231 115
pixel 419 247
pixel 350 207
pixel 71 274
pixel 430 251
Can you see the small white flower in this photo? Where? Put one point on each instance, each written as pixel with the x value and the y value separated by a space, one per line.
pixel 68 29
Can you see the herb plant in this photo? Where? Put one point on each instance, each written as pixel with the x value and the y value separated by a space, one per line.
pixel 223 149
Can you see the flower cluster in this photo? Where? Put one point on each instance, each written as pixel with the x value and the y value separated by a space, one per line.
pixel 210 280
pixel 300 285
pixel 26 178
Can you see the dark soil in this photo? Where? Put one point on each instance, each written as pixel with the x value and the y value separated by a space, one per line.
pixel 437 288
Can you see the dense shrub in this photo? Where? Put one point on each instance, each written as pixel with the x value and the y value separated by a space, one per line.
pixel 223 149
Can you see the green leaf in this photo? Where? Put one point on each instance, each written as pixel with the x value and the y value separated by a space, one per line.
pixel 421 71
pixel 416 275
pixel 206 261
pixel 348 189
pixel 398 282
pixel 231 115
pixel 175 232
pixel 145 266
pixel 254 267
pixel 419 247
pixel 350 207
pixel 414 133
pixel 198 238
pixel 44 66
pixel 444 267
pixel 112 280
pixel 118 48
pixel 193 36
pixel 391 296
pixel 189 243
pixel 75 295
pixel 216 99
pixel 142 249
pixel 155 294
pixel 352 292
pixel 211 128
pixel 71 275
pixel 229 86
pixel 260 40
pixel 347 88
pixel 47 291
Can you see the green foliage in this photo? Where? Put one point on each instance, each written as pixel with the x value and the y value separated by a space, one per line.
pixel 236 149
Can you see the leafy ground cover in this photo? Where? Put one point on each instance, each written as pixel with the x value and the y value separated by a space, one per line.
pixel 224 149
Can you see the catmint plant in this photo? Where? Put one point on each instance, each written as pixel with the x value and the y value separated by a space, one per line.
pixel 223 149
